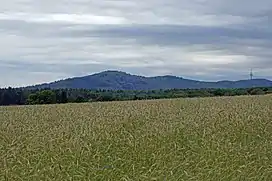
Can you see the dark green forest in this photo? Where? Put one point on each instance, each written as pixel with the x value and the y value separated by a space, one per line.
pixel 15 96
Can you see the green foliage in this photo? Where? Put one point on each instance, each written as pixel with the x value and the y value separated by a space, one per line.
pixel 256 91
pixel 42 97
pixel 46 96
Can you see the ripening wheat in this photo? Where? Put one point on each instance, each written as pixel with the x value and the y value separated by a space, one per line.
pixel 227 138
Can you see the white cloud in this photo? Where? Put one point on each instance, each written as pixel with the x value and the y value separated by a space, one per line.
pixel 181 12
pixel 202 39
pixel 63 18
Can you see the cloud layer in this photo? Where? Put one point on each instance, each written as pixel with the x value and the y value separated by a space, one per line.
pixel 43 41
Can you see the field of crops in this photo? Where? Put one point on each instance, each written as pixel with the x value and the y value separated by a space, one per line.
pixel 227 138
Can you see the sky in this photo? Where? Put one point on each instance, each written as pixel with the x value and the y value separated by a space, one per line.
pixel 48 40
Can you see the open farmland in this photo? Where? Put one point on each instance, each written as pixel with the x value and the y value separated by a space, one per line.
pixel 227 138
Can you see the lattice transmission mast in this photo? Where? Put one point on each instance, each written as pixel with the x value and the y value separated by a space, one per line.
pixel 251 74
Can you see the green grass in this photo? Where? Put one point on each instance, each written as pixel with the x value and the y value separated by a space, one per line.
pixel 227 138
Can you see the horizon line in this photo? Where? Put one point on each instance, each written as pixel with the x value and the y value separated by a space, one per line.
pixel 131 74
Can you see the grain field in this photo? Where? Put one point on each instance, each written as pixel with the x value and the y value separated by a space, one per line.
pixel 199 139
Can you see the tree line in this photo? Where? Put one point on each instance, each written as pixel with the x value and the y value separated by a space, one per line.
pixel 16 96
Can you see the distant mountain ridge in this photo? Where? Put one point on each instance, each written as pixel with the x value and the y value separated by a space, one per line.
pixel 117 80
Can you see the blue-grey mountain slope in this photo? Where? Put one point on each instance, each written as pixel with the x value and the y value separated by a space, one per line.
pixel 117 80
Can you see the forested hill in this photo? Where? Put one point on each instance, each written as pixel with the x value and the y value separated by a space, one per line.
pixel 116 80
pixel 118 86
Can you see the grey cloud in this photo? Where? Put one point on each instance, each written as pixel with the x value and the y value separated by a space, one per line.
pixel 209 12
pixel 156 37
pixel 23 74
pixel 252 43
pixel 175 34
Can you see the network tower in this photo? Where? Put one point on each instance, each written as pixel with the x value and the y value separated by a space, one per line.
pixel 251 74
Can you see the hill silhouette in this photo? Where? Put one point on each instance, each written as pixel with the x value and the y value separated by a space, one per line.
pixel 117 80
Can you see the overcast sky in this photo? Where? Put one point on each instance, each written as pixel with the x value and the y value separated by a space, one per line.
pixel 47 40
